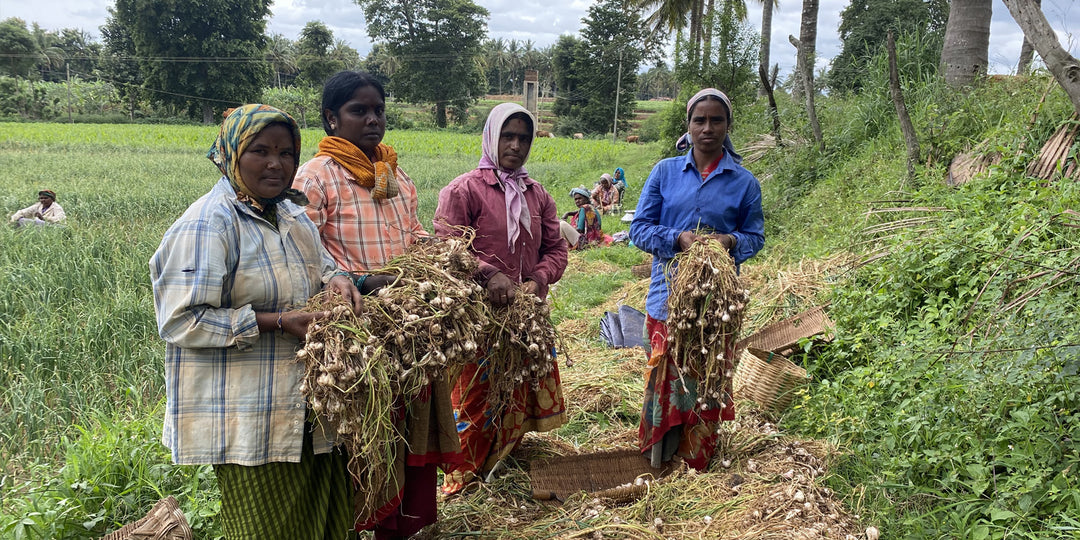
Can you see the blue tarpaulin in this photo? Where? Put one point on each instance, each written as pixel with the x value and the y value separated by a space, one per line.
pixel 622 328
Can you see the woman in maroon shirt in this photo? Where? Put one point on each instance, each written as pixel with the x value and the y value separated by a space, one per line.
pixel 519 248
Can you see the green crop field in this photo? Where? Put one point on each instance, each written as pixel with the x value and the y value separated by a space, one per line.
pixel 78 341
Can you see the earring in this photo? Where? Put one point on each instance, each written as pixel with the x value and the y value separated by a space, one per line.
pixel 333 125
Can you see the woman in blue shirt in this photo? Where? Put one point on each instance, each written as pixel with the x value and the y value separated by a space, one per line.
pixel 705 192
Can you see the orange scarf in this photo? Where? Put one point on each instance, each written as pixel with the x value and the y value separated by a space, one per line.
pixel 380 176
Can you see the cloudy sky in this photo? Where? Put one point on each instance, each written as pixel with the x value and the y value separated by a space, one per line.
pixel 543 21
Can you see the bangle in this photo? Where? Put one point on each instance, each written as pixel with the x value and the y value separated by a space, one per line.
pixel 360 282
pixel 280 313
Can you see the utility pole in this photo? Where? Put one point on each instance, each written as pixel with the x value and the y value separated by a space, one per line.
pixel 618 83
pixel 67 68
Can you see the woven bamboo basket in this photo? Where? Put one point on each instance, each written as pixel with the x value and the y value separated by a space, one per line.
pixel 768 379
pixel 165 521
pixel 601 474
pixel 781 336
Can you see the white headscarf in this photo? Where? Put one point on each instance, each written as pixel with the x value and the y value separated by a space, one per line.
pixel 685 142
pixel 512 180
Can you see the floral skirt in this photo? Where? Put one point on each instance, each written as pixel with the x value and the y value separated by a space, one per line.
pixel 488 436
pixel 671 403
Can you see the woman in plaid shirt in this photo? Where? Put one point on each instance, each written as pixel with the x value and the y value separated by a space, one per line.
pixel 229 278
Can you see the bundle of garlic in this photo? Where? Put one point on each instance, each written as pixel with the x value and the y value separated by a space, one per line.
pixel 363 370
pixel 352 388
pixel 522 348
pixel 705 313
pixel 430 320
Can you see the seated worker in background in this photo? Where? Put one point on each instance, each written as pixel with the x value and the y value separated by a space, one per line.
pixel 44 212
pixel 619 179
pixel 581 228
pixel 606 196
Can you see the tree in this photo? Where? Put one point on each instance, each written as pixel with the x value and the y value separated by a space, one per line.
pixel 17 44
pixel 864 22
pixel 564 61
pixel 49 57
pixel 199 55
pixel 281 55
pixel 600 69
pixel 1027 51
pixel 118 62
pixel 658 81
pixel 667 16
pixel 807 43
pixel 766 40
pixel 344 54
pixel 381 63
pixel 733 70
pixel 313 55
pixel 965 53
pixel 1065 67
pixel 438 44
pixel 18 51
pixel 81 52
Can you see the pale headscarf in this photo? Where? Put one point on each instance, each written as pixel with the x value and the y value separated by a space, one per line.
pixel 512 180
pixel 684 142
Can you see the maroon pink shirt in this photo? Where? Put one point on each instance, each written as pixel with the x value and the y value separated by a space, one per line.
pixel 475 199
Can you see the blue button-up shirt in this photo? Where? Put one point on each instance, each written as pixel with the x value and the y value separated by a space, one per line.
pixel 675 199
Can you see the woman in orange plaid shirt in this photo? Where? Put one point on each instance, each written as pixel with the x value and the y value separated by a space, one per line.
pixel 365 208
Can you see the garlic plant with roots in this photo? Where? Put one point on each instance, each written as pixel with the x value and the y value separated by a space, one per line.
pixel 363 371
pixel 705 312
pixel 522 348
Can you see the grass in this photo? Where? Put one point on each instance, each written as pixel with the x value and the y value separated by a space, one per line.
pixel 77 332
pixel 942 408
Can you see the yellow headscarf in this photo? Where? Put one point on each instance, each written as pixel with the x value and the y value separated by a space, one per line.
pixel 380 176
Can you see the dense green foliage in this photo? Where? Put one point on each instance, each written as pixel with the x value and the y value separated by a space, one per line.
pixel 184 58
pixel 864 25
pixel 437 43
pixel 18 46
pixel 950 386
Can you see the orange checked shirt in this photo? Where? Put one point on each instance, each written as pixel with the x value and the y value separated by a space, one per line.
pixel 361 233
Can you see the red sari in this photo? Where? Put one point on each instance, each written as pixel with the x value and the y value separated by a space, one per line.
pixel 488 436
pixel 671 403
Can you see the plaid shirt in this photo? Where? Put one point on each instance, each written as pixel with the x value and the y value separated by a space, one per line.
pixel 361 233
pixel 233 393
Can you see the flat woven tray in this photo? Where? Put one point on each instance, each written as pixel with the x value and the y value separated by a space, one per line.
pixel 601 474
pixel 165 521
pixel 768 379
pixel 783 335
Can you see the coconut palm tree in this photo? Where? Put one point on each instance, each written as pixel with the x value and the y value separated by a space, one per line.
pixel 767 7
pixel 281 55
pixel 1027 51
pixel 965 53
pixel 807 44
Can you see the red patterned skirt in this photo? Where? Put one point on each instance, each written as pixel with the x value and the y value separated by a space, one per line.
pixel 672 401
pixel 488 436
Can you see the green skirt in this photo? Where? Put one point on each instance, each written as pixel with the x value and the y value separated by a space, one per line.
pixel 310 500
